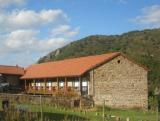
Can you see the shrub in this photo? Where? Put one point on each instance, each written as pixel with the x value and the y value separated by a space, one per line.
pixel 153 103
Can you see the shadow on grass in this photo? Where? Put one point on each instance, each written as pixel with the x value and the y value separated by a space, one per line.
pixel 63 117
pixel 46 117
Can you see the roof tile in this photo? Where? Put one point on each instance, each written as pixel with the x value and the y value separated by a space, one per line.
pixel 67 67
pixel 14 70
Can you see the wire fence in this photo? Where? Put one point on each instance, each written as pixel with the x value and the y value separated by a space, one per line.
pixel 35 99
pixel 37 107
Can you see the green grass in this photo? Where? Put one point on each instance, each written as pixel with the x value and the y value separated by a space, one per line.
pixel 95 114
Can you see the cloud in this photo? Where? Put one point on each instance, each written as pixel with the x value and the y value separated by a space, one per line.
pixel 26 35
pixel 22 19
pixel 19 39
pixel 26 42
pixel 149 16
pixel 6 3
pixel 65 31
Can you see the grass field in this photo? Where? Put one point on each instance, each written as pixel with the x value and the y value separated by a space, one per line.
pixel 95 114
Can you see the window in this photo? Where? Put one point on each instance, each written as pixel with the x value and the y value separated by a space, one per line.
pixel 49 84
pixel 84 83
pixel 61 84
pixel 54 84
pixel 42 84
pixel 84 87
pixel 32 84
pixel 38 84
pixel 76 84
pixel 118 61
pixel 70 84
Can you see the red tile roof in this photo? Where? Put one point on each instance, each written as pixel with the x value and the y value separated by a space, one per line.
pixel 68 67
pixel 14 70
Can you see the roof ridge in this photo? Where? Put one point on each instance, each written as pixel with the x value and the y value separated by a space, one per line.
pixel 76 58
pixel 11 66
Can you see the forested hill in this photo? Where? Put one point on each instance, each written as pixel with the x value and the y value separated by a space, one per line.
pixel 141 46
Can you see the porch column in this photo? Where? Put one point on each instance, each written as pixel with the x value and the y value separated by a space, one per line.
pixel 44 85
pixel 29 86
pixel 66 84
pixel 25 86
pixel 57 84
pixel 34 81
pixel 80 85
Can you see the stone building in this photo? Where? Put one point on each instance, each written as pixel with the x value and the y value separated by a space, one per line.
pixel 110 77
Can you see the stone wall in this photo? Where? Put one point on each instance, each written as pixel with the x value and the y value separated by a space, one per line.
pixel 57 101
pixel 121 83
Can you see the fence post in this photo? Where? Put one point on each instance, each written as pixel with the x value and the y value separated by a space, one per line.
pixel 127 119
pixel 157 112
pixel 41 107
pixel 118 119
pixel 103 110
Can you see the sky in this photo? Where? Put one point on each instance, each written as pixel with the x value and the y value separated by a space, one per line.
pixel 29 29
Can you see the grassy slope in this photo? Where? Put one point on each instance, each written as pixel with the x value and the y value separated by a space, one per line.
pixel 141 46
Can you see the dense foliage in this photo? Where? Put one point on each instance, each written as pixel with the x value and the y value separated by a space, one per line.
pixel 141 46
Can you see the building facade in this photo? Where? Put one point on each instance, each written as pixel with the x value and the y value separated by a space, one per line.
pixel 120 83
pixel 110 77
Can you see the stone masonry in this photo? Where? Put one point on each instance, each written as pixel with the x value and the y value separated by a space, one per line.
pixel 121 83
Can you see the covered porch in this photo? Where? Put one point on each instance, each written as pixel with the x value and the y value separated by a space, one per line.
pixel 52 86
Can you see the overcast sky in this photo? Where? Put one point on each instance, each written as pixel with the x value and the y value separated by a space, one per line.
pixel 30 29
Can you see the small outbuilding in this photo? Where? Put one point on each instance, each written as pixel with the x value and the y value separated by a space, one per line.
pixel 10 76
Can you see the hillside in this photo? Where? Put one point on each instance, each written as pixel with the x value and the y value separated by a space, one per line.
pixel 141 46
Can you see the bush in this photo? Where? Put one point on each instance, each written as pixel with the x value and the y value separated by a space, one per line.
pixel 153 103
